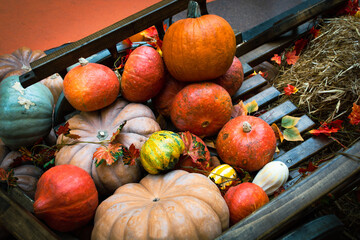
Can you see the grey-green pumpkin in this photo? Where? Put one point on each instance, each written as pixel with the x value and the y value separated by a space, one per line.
pixel 26 113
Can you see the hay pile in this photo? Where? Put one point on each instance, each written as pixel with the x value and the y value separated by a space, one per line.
pixel 327 73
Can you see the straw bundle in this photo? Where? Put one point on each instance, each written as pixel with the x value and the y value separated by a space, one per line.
pixel 327 74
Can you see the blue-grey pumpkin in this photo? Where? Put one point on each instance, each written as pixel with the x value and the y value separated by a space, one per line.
pixel 25 113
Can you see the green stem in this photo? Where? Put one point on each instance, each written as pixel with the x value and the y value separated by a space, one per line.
pixel 193 10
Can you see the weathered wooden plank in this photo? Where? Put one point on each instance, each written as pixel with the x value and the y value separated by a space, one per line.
pixel 247 68
pixel 21 223
pixel 304 150
pixel 264 97
pixel 268 221
pixel 249 85
pixel 276 113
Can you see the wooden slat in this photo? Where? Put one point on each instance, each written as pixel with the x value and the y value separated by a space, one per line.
pixel 268 221
pixel 275 114
pixel 264 97
pixel 249 85
pixel 247 68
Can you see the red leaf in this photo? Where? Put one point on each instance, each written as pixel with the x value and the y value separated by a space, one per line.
pixel 239 110
pixel 8 177
pixel 327 128
pixel 109 154
pixel 314 32
pixel 63 129
pixel 118 130
pixel 195 148
pixel 355 115
pixel 130 155
pixel 290 89
pixel 300 45
pixel 291 57
pixel 276 58
pixel 350 9
pixel 310 168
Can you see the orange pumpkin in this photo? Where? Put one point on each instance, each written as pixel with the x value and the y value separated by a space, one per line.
pixel 201 108
pixel 100 126
pixel 199 47
pixel 90 86
pixel 176 205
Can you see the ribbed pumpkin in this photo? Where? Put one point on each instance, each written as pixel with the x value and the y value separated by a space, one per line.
pixel 26 114
pixel 18 62
pixel 161 151
pixel 91 86
pixel 201 108
pixel 99 126
pixel 198 48
pixel 66 198
pixel 143 75
pixel 55 83
pixel 246 142
pixel 177 205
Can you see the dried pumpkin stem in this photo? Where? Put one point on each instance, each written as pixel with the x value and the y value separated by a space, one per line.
pixel 246 127
pixel 83 61
pixel 193 10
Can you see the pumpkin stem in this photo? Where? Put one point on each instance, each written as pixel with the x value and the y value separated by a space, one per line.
pixel 193 10
pixel 246 127
pixel 83 61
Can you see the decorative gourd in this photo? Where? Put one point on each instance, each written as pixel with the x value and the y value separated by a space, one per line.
pixel 199 47
pixel 90 86
pixel 177 205
pixel 26 113
pixel 66 198
pixel 201 108
pixel 163 100
pixel 27 175
pixel 272 176
pixel 18 62
pixel 233 78
pixel 161 151
pixel 143 75
pixel 243 199
pixel 55 85
pixel 246 142
pixel 99 126
pixel 222 175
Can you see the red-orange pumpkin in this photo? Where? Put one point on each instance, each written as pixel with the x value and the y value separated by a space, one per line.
pixel 244 199
pixel 199 47
pixel 143 76
pixel 246 142
pixel 233 78
pixel 201 108
pixel 90 86
pixel 66 198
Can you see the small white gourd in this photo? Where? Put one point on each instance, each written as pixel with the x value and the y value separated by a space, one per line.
pixel 272 176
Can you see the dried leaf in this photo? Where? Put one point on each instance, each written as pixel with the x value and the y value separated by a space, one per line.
pixel 130 155
pixel 276 58
pixel 8 177
pixel 355 115
pixel 63 129
pixel 118 130
pixel 278 133
pixel 290 89
pixel 291 57
pixel 327 128
pixel 239 110
pixel 252 106
pixel 292 134
pixel 263 74
pixel 300 45
pixel 289 121
pixel 195 149
pixel 314 32
pixel 109 154
pixel 310 168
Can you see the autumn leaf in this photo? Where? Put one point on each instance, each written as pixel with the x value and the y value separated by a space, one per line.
pixel 314 32
pixel 109 154
pixel 122 59
pixel 327 128
pixel 355 115
pixel 63 129
pixel 278 133
pixel 252 106
pixel 276 58
pixel 290 89
pixel 292 134
pixel 130 155
pixel 118 130
pixel 291 57
pixel 289 121
pixel 310 168
pixel 195 149
pixel 351 8
pixel 8 177
pixel 300 45
pixel 263 74
pixel 239 110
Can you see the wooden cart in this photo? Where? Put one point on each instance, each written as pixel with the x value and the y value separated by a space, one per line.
pixel 254 46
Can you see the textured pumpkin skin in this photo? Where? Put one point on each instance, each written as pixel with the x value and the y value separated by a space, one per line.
pixel 233 78
pixel 249 151
pixel 201 108
pixel 91 86
pixel 244 199
pixel 140 124
pixel 161 151
pixel 55 85
pixel 143 76
pixel 177 205
pixel 18 62
pixel 199 49
pixel 66 198
pixel 26 114
pixel 163 100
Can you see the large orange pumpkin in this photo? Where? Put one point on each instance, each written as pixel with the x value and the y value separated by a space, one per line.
pixel 246 142
pixel 90 86
pixel 176 205
pixel 199 47
pixel 100 126
pixel 201 108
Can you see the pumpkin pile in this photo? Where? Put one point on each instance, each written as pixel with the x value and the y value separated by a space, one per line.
pixel 119 167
